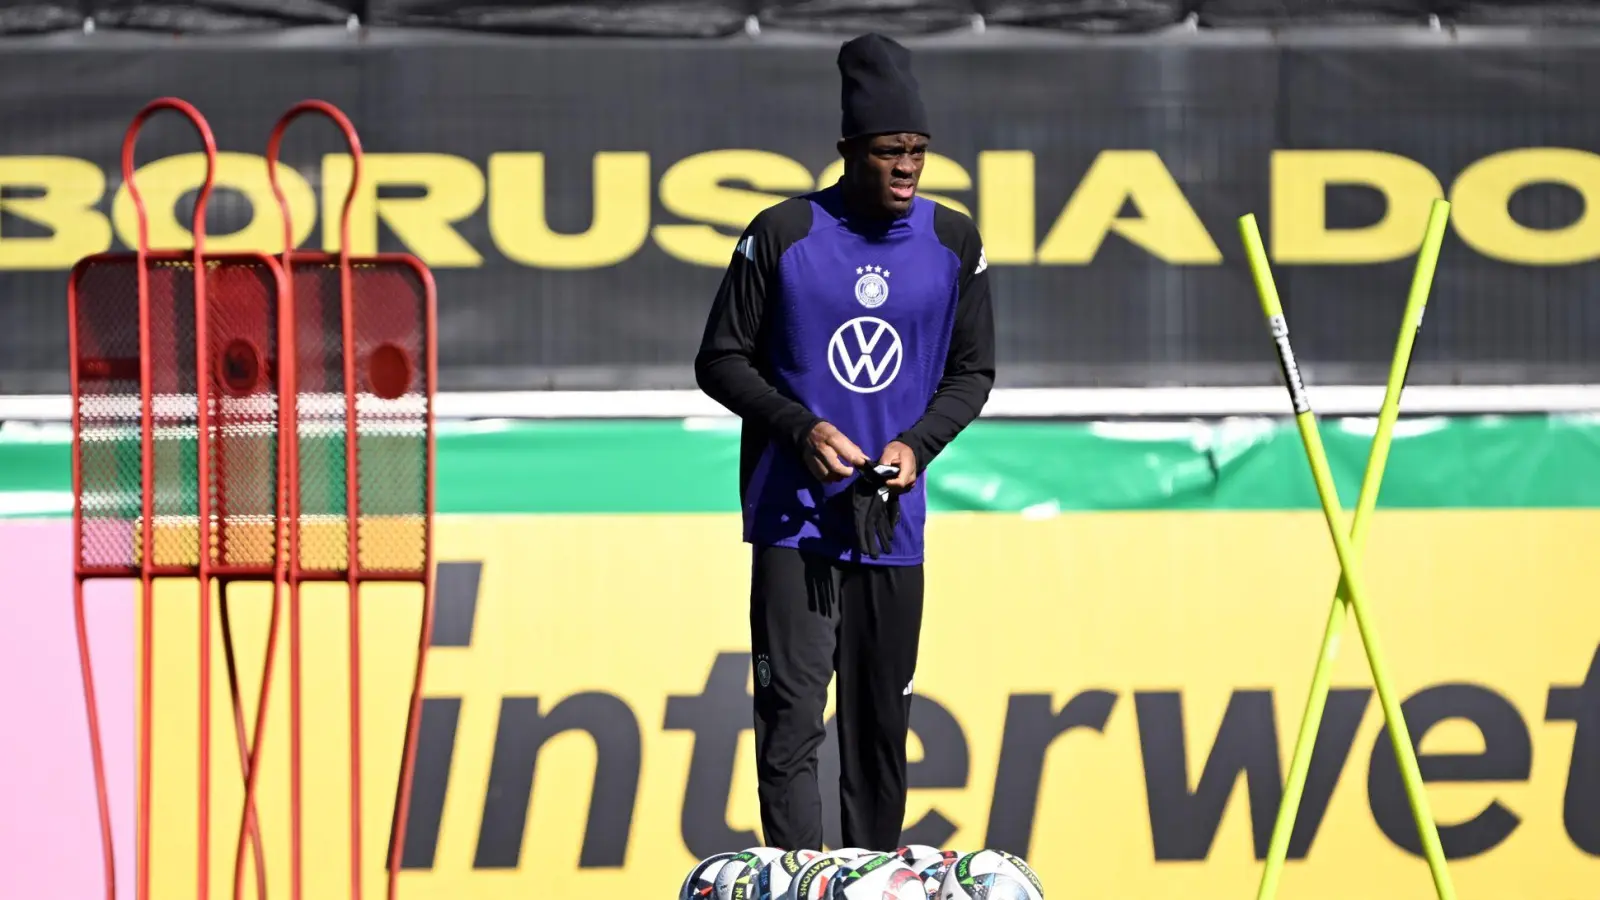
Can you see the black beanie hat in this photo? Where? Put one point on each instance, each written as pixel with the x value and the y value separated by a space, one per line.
pixel 878 92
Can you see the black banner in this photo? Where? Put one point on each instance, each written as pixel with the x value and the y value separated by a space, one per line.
pixel 579 199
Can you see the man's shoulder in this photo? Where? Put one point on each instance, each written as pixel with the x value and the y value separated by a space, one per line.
pixel 953 228
pixel 782 224
pixel 957 232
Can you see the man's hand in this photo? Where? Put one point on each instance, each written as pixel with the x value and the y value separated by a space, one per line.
pixel 902 456
pixel 830 455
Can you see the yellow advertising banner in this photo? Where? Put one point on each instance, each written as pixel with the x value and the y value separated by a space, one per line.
pixel 1114 696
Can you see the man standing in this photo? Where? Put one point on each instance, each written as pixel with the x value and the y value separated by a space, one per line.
pixel 853 319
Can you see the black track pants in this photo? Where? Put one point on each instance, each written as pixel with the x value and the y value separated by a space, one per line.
pixel 810 618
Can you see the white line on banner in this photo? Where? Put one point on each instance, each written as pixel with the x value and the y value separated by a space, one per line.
pixel 1005 403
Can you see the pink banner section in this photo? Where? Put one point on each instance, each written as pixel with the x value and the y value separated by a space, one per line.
pixel 49 823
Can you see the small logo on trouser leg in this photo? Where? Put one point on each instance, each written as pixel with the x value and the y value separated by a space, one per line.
pixel 763 671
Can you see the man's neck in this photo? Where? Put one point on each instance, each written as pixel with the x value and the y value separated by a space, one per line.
pixel 865 213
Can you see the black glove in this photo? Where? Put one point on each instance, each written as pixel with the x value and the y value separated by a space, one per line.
pixel 876 507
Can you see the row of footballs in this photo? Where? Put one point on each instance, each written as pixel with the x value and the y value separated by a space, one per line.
pixel 910 873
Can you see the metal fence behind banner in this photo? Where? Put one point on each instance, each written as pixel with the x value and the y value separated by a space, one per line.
pixel 720 18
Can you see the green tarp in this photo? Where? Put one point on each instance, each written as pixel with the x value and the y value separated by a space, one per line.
pixel 996 466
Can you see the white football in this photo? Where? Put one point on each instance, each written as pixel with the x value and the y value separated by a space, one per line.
pixel 776 876
pixel 742 869
pixel 811 882
pixel 990 875
pixel 910 853
pixel 701 880
pixel 881 877
pixel 837 882
pixel 932 868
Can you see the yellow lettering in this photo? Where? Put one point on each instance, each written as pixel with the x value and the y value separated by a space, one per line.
pixel 1167 228
pixel 1005 206
pixel 163 182
pixel 452 189
pixel 1481 197
pixel 618 228
pixel 694 188
pixel 939 173
pixel 1300 180
pixel 68 190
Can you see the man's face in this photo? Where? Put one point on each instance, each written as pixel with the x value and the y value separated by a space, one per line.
pixel 887 168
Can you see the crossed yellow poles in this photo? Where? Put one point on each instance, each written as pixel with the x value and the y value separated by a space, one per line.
pixel 1351 593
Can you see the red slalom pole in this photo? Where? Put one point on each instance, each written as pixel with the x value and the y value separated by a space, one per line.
pixel 148 563
pixel 389 300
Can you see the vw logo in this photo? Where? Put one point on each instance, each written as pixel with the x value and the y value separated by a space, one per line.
pixel 865 355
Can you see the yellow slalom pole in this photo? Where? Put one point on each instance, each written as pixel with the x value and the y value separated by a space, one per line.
pixel 1377 460
pixel 1353 588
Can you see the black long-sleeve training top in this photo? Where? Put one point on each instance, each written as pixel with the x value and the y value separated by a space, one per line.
pixel 885 331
